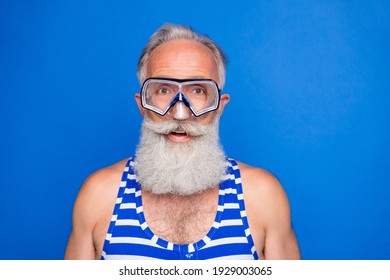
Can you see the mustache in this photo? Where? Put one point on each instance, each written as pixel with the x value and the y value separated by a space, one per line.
pixel 167 126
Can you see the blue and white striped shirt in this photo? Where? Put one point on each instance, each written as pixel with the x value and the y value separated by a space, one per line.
pixel 129 236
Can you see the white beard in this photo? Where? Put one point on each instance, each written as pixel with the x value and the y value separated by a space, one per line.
pixel 166 167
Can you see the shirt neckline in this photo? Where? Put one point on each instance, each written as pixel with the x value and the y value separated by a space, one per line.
pixel 182 248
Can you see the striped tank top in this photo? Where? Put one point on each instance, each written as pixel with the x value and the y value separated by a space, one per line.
pixel 129 236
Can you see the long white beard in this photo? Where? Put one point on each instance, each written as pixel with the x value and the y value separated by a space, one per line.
pixel 166 167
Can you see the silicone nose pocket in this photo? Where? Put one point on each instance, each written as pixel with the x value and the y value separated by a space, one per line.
pixel 181 111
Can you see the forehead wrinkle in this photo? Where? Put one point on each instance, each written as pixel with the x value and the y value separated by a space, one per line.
pixel 175 77
pixel 182 59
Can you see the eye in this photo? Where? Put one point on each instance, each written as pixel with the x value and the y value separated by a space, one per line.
pixel 199 91
pixel 163 90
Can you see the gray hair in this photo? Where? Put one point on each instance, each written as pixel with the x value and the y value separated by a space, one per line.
pixel 169 32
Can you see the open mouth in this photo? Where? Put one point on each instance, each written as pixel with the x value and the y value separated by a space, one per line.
pixel 179 136
pixel 179 133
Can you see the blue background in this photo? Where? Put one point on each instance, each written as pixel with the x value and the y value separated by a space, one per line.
pixel 309 85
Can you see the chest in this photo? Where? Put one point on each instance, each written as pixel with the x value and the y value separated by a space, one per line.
pixel 181 219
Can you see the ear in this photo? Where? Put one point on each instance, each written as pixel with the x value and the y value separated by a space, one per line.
pixel 225 98
pixel 137 97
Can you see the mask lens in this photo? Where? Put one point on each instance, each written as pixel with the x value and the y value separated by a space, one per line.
pixel 203 95
pixel 159 94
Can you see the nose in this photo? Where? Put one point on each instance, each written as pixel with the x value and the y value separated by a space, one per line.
pixel 180 111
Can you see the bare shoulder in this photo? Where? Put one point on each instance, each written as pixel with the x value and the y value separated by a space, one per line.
pixel 268 212
pixel 99 191
pixel 103 179
pixel 253 174
pixel 92 212
pixel 263 192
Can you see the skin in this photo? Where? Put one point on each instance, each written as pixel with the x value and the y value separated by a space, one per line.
pixel 184 219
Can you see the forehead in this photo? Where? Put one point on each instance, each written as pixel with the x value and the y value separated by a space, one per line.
pixel 182 59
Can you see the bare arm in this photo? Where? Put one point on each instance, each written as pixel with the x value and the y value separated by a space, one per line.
pixel 280 241
pixel 92 213
pixel 269 215
pixel 80 244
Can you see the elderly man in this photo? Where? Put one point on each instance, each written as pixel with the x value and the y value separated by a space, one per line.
pixel 180 197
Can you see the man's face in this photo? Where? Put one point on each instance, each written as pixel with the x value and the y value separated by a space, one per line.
pixel 183 59
pixel 179 155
